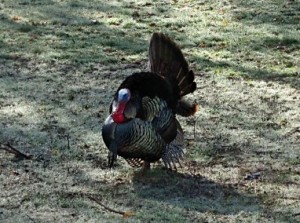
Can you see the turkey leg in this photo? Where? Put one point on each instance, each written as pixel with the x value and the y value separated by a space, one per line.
pixel 145 167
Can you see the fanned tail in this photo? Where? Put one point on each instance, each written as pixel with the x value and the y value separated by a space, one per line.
pixel 167 60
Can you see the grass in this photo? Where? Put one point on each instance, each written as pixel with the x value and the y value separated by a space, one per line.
pixel 60 63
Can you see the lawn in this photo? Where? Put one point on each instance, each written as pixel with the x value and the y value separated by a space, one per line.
pixel 62 60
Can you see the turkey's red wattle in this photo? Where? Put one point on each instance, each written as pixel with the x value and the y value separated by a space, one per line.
pixel 118 114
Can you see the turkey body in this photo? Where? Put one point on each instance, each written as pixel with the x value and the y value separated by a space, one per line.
pixel 142 125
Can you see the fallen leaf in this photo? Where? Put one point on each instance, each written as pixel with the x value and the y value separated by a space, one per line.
pixel 202 45
pixel 128 214
pixel 16 18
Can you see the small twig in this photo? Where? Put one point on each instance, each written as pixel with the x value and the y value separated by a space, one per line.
pixel 9 148
pixel 68 140
pixel 92 197
pixel 294 130
pixel 30 218
pixel 105 207
pixel 18 153
pixel 296 214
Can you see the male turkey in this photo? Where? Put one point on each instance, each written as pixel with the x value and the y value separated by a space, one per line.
pixel 142 125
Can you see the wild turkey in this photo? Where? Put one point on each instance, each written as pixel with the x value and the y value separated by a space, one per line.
pixel 142 125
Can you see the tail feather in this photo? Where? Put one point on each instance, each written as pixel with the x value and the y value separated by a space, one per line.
pixel 167 60
pixel 188 89
pixel 186 81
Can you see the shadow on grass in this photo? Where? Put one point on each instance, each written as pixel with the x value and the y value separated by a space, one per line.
pixel 60 32
pixel 193 193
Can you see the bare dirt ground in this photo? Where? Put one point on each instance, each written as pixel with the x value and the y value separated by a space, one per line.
pixel 242 148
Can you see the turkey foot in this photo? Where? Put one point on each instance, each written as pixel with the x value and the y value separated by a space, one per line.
pixel 145 168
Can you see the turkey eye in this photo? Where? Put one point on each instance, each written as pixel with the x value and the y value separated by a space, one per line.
pixel 124 97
